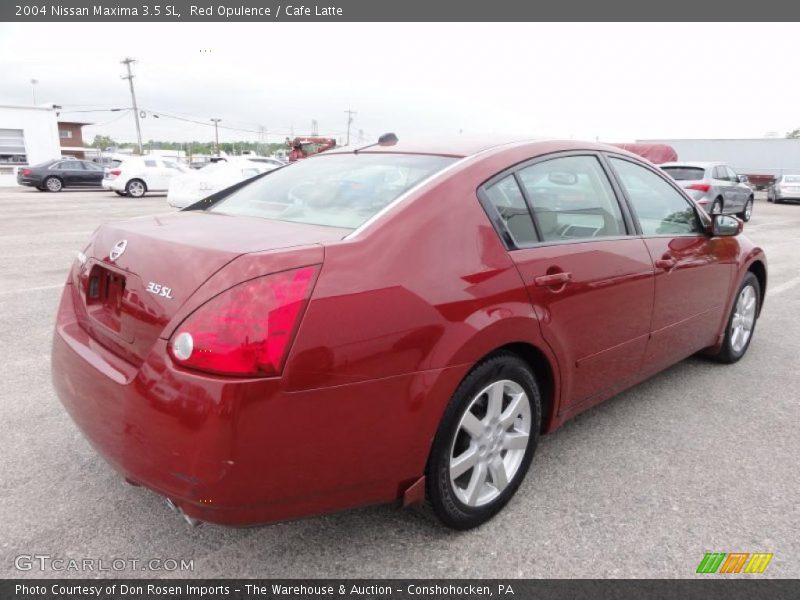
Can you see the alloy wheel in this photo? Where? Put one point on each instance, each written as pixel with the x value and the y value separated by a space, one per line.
pixel 744 316
pixel 136 189
pixel 54 184
pixel 490 443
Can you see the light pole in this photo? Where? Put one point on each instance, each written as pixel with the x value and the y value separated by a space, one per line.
pixel 33 89
pixel 128 62
pixel 216 121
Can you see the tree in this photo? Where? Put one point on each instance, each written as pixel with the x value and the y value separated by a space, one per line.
pixel 793 135
pixel 103 142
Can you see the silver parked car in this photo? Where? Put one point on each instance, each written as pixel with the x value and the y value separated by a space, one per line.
pixel 785 187
pixel 714 186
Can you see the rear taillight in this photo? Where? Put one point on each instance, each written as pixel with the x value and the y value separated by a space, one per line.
pixel 26 172
pixel 700 187
pixel 114 172
pixel 246 330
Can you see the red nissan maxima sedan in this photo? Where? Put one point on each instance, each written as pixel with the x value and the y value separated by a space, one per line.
pixel 399 322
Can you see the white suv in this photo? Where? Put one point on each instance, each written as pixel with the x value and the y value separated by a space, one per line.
pixel 141 174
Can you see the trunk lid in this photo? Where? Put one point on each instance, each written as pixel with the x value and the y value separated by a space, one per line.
pixel 139 273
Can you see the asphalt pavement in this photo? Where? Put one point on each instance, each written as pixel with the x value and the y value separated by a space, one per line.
pixel 701 458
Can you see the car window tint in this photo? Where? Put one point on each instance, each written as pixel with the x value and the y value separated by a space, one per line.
pixel 150 163
pixel 732 174
pixel 720 173
pixel 572 199
pixel 661 209
pixel 92 167
pixel 508 203
pixel 72 165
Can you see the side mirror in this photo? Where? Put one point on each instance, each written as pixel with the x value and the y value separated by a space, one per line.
pixel 726 225
pixel 743 179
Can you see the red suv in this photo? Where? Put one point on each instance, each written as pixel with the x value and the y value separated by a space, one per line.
pixel 399 322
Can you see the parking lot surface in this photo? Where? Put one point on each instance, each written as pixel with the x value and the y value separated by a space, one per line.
pixel 701 458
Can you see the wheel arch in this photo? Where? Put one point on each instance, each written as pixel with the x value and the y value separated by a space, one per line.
pixel 759 269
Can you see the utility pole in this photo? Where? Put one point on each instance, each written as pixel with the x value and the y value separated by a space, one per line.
pixel 216 133
pixel 350 114
pixel 128 62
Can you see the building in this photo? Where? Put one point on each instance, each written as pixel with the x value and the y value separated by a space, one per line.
pixel 70 134
pixel 28 136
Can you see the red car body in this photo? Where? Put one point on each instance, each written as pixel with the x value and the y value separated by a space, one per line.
pixel 400 312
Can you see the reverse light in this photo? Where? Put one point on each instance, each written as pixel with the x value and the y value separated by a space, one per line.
pixel 700 187
pixel 248 329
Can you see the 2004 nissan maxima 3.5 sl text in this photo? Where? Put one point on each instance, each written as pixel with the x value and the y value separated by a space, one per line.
pixel 397 322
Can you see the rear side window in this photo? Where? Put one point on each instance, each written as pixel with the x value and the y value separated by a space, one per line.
pixel 572 199
pixel 661 209
pixel 510 208
pixel 336 190
pixel 791 178
pixel 685 173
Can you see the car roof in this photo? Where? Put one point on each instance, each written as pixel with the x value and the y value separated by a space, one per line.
pixel 462 146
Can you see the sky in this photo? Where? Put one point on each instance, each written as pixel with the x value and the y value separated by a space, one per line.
pixel 612 82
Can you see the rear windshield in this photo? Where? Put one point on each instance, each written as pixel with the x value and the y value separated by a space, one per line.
pixel 685 173
pixel 340 190
pixel 791 178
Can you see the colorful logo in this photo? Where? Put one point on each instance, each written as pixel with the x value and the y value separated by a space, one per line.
pixel 735 562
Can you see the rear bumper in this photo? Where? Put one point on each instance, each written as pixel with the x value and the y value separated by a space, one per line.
pixel 242 452
pixel 111 184
pixel 28 181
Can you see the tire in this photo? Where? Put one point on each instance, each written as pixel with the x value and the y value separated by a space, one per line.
pixel 717 206
pixel 118 193
pixel 747 212
pixel 53 184
pixel 732 348
pixel 777 200
pixel 459 502
pixel 135 188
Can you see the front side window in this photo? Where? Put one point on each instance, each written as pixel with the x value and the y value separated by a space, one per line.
pixel 572 199
pixel 336 190
pixel 509 206
pixel 150 163
pixel 661 209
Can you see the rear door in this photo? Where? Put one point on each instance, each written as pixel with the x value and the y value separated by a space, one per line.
pixel 741 191
pixel 71 172
pixel 93 175
pixel 693 271
pixel 726 187
pixel 589 279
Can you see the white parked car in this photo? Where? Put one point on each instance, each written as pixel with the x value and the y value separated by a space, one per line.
pixel 138 175
pixel 190 187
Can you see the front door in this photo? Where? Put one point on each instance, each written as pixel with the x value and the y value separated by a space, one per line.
pixel 693 271
pixel 589 279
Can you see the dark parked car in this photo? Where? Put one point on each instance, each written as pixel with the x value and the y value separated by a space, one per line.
pixel 397 322
pixel 55 175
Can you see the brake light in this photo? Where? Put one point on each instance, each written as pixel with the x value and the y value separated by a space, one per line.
pixel 700 187
pixel 246 330
pixel 26 172
pixel 115 172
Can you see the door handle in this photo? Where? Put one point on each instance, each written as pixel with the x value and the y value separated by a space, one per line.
pixel 666 262
pixel 553 279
